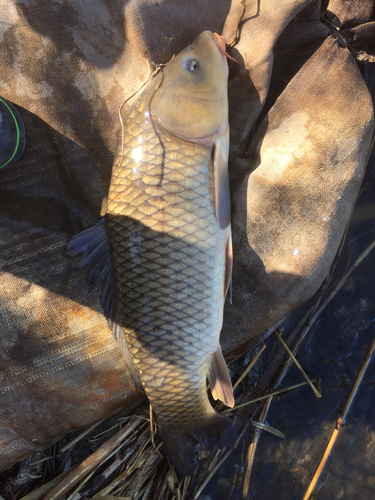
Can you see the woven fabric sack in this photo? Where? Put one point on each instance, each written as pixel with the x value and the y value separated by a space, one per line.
pixel 68 66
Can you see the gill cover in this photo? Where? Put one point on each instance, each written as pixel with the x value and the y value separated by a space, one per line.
pixel 192 103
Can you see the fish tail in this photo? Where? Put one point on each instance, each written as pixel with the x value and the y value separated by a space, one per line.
pixel 183 449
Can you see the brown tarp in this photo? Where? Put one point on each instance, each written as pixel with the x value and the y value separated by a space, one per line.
pixel 68 66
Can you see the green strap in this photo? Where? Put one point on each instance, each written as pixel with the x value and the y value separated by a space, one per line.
pixel 18 134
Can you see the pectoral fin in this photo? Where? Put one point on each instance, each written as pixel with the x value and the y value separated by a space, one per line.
pixel 104 208
pixel 219 379
pixel 228 270
pixel 221 176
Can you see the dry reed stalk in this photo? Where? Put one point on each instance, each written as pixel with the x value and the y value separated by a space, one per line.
pixel 225 454
pixel 117 463
pixel 141 470
pixel 274 393
pixel 79 436
pixel 92 461
pixel 249 367
pixel 339 423
pixel 341 282
pixel 45 488
pixel 253 445
pixel 338 286
pixel 316 392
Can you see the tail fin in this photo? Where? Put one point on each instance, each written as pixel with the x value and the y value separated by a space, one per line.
pixel 182 449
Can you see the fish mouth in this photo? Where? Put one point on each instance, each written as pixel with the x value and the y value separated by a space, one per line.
pixel 220 42
pixel 199 99
pixel 204 140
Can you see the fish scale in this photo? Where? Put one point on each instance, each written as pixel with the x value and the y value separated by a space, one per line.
pixel 168 254
pixel 164 247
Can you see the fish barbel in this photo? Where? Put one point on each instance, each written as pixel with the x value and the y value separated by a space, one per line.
pixel 167 217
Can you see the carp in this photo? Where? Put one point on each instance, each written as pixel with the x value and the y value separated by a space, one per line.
pixel 164 247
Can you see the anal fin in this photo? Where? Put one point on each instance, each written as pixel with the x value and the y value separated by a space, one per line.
pixel 219 379
pixel 104 207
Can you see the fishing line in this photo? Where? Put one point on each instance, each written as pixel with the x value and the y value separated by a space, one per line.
pixel 17 134
pixel 150 73
pixel 241 22
pixel 158 70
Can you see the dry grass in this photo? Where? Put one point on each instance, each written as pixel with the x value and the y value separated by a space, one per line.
pixel 128 461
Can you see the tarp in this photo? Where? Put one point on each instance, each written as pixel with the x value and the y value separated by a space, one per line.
pixel 301 125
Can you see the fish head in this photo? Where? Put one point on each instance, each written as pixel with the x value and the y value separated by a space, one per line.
pixel 191 101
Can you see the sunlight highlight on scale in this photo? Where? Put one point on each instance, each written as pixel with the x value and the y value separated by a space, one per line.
pixel 138 152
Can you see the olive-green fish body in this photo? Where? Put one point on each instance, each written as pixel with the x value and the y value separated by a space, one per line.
pixel 167 219
pixel 169 254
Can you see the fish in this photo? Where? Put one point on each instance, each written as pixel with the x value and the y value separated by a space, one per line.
pixel 164 248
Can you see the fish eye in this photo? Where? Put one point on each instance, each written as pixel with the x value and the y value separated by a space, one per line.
pixel 190 64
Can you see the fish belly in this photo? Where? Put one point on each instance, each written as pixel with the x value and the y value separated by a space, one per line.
pixel 168 254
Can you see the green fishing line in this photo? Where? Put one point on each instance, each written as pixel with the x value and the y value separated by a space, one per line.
pixel 18 134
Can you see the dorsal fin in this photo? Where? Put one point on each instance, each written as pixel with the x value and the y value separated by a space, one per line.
pixel 93 243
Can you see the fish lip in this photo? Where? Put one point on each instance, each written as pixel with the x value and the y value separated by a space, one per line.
pixel 220 42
